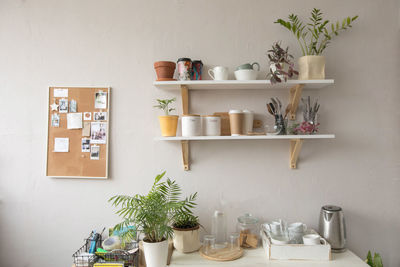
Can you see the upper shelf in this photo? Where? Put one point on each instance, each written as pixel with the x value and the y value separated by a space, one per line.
pixel 246 137
pixel 235 84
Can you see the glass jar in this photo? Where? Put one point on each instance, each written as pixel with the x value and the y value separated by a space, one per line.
pixel 218 229
pixel 248 229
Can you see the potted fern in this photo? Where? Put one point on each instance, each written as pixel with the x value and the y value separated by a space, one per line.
pixel 152 215
pixel 313 38
pixel 168 123
pixel 186 229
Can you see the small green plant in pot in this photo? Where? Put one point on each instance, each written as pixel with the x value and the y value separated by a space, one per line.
pixel 313 38
pixel 152 215
pixel 168 123
pixel 376 261
pixel 186 228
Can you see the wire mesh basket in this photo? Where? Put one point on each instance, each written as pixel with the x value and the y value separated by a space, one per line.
pixel 82 257
pixel 129 257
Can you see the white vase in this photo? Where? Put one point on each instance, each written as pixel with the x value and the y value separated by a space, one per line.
pixel 187 240
pixel 311 68
pixel 274 68
pixel 156 254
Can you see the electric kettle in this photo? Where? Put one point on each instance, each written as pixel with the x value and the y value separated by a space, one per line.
pixel 332 227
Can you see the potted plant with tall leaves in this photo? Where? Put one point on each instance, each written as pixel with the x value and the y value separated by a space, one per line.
pixel 313 38
pixel 168 123
pixel 152 215
pixel 186 228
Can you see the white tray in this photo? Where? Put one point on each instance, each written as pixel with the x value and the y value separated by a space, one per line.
pixel 295 251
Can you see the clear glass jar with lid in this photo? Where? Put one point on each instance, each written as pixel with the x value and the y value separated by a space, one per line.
pixel 248 228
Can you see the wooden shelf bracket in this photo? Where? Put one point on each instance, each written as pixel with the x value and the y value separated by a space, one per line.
pixel 185 155
pixel 295 94
pixel 185 143
pixel 295 147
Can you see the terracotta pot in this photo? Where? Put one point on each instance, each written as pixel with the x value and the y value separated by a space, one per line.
pixel 168 125
pixel 165 70
pixel 311 68
pixel 187 240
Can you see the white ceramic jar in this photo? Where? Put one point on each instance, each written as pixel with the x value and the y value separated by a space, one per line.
pixel 191 125
pixel 211 125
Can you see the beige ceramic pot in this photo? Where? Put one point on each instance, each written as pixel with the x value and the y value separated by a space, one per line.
pixel 187 240
pixel 311 68
pixel 168 125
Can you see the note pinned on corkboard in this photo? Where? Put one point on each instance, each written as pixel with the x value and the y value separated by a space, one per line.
pixel 69 153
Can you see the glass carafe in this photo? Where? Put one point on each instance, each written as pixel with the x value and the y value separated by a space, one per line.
pixel 218 229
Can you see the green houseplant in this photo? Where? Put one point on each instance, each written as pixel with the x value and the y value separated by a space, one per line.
pixel 279 58
pixel 313 38
pixel 152 215
pixel 376 261
pixel 168 123
pixel 186 229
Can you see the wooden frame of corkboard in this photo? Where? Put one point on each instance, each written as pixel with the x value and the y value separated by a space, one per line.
pixel 75 163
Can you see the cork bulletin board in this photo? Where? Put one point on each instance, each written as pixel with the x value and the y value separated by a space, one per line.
pixel 78 132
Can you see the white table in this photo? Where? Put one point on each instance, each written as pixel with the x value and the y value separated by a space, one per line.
pixel 257 258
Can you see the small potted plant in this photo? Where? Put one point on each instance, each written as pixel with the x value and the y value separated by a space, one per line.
pixel 165 70
pixel 279 58
pixel 313 38
pixel 376 261
pixel 168 123
pixel 152 215
pixel 186 228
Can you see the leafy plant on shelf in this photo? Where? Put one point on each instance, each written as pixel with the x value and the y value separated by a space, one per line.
pixel 374 262
pixel 278 58
pixel 164 105
pixel 314 36
pixel 153 213
pixel 184 219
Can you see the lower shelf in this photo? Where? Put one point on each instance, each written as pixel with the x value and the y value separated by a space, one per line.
pixel 296 141
pixel 246 137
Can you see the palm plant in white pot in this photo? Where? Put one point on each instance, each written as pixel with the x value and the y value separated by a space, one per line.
pixel 313 38
pixel 152 215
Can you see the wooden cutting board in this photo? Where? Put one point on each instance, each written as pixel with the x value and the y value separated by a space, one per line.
pixel 225 124
pixel 224 254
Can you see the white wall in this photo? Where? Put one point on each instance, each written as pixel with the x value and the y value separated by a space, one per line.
pixel 100 42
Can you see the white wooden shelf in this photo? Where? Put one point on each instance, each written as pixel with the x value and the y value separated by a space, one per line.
pixel 253 137
pixel 235 84
pixel 295 91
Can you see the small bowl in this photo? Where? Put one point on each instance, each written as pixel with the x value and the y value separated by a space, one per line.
pixel 246 75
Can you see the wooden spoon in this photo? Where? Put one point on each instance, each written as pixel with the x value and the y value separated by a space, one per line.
pixel 288 109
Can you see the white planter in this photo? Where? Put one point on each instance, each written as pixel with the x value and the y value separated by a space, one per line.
pixel 156 254
pixel 312 68
pixel 191 125
pixel 187 240
pixel 211 125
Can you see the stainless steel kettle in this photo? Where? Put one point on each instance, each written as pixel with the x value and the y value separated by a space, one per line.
pixel 332 227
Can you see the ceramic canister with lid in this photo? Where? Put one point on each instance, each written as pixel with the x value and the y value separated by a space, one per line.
pixel 248 228
pixel 211 125
pixel 191 125
pixel 236 121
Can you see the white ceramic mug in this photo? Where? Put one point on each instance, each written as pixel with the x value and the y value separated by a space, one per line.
pixel 219 73
pixel 313 239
